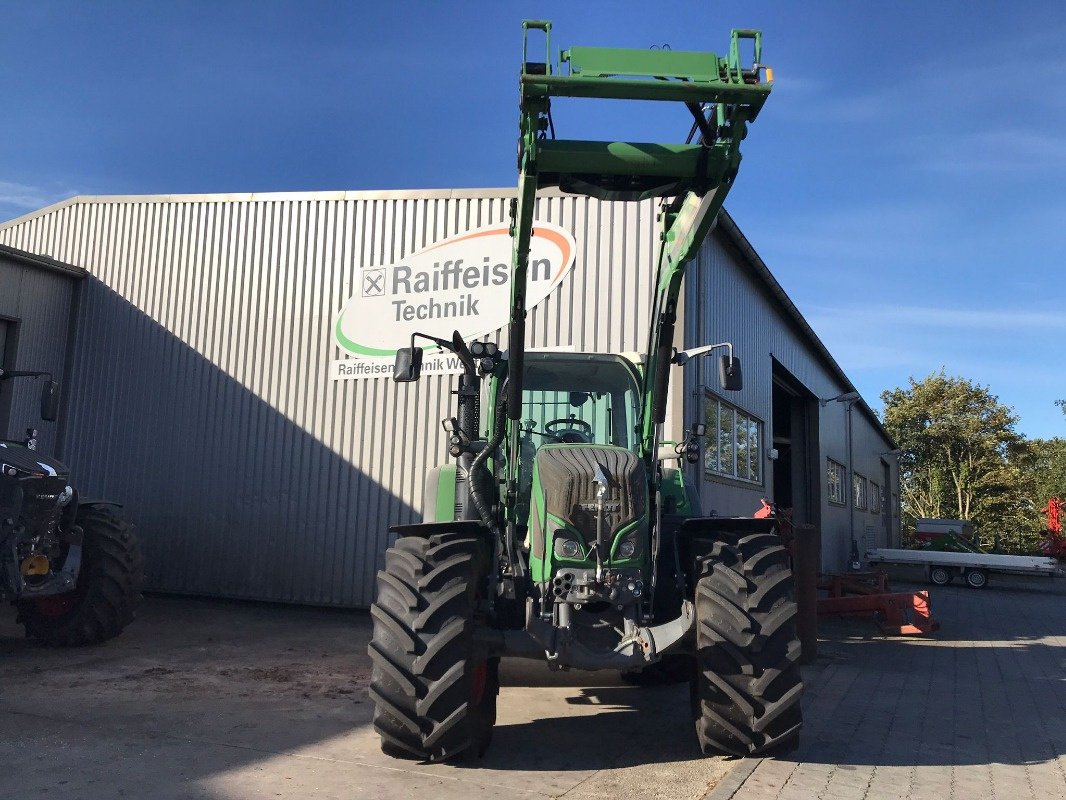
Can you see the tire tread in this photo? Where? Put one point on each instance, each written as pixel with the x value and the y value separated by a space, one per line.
pixel 421 650
pixel 747 686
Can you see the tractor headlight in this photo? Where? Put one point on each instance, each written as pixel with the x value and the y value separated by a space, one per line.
pixel 565 547
pixel 628 547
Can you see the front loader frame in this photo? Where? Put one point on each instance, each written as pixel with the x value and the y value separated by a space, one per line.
pixel 722 95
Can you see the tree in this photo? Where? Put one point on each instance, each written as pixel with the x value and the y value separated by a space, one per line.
pixel 1043 467
pixel 959 457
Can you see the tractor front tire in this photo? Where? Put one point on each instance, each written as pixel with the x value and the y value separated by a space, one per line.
pixel 747 686
pixel 108 590
pixel 434 692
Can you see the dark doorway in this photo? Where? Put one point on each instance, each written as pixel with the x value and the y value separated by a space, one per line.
pixel 795 440
pixel 7 361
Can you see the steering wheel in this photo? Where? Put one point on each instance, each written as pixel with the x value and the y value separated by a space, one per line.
pixel 577 430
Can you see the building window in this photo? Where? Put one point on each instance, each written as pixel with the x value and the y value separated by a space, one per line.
pixel 875 498
pixel 734 442
pixel 837 477
pixel 858 491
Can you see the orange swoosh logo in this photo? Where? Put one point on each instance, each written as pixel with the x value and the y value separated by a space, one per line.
pixel 555 238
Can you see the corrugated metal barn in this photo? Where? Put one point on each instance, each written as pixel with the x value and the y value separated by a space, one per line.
pixel 200 392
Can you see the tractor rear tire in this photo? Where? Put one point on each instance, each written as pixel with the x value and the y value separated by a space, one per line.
pixel 747 685
pixel 434 692
pixel 108 590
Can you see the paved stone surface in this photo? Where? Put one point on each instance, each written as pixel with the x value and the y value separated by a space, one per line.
pixel 205 699
pixel 978 710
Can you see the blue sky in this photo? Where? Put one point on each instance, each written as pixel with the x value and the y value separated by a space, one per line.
pixel 904 182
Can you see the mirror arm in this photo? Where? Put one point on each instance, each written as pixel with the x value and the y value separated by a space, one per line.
pixel 21 373
pixel 444 344
pixel 457 346
pixel 684 356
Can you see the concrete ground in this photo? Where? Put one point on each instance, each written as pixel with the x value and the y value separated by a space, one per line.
pixel 976 711
pixel 208 699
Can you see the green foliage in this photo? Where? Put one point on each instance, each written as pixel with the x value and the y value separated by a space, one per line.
pixel 962 458
pixel 1044 470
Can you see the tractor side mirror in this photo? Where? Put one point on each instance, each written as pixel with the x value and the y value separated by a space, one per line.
pixel 50 401
pixel 729 374
pixel 408 366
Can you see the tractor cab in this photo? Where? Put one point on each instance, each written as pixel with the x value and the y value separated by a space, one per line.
pixel 580 398
pixel 578 411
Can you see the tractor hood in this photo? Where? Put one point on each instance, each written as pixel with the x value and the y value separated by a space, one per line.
pixel 13 454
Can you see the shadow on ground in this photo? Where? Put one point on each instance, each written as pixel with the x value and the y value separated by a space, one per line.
pixel 594 726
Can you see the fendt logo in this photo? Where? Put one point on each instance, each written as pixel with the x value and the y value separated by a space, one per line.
pixel 462 283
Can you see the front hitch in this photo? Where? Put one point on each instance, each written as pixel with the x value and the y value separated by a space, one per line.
pixel 60 582
pixel 543 640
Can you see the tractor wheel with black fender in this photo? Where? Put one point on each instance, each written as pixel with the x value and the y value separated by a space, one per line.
pixel 941 576
pixel 747 686
pixel 108 590
pixel 434 692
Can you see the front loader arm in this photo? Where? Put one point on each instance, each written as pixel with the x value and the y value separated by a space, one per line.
pixel 722 95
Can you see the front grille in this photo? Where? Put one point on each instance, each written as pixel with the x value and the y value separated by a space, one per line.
pixel 567 472
pixel 39 500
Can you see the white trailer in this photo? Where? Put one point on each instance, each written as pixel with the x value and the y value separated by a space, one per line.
pixel 974 568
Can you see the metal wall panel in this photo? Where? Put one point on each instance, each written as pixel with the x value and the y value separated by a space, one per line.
pixel 727 302
pixel 37 305
pixel 204 401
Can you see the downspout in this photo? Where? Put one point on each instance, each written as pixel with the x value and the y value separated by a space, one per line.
pixel 854 555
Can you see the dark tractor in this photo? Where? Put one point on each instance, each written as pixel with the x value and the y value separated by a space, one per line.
pixel 72 567
pixel 564 530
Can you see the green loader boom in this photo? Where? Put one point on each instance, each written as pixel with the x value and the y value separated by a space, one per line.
pixel 722 95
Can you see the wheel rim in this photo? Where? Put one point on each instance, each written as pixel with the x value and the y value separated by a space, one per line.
pixel 478 680
pixel 940 576
pixel 976 579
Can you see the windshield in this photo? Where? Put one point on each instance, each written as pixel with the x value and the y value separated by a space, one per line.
pixel 579 399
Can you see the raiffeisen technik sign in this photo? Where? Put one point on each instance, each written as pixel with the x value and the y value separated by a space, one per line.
pixel 462 283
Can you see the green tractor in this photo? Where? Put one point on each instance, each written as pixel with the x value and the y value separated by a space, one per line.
pixel 559 533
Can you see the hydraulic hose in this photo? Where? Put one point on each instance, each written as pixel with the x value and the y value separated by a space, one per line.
pixel 477 495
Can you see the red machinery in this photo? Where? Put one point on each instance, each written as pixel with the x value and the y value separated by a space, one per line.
pixel 860 594
pixel 1055 543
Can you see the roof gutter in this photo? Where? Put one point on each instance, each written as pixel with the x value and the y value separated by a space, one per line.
pixel 42 262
